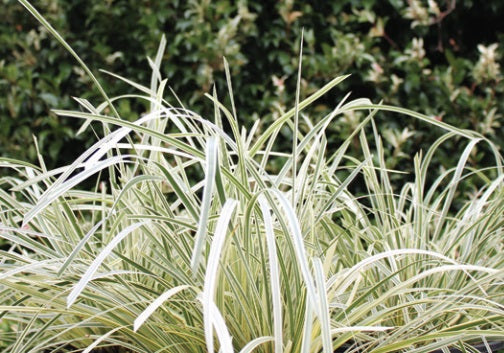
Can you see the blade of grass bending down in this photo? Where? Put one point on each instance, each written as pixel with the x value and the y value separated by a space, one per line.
pixel 350 275
pixel 249 347
pixel 477 206
pixel 156 304
pixel 27 239
pixel 196 153
pixel 118 135
pixel 101 339
pixel 79 246
pixel 274 276
pixel 296 123
pixel 30 267
pixel 6 162
pixel 79 287
pixel 211 271
pixel 144 147
pixel 90 108
pixel 134 126
pixel 92 154
pixel 132 182
pixel 138 86
pixel 445 269
pixel 79 161
pixel 39 178
pixel 211 167
pixel 462 132
pixel 46 199
pixel 323 305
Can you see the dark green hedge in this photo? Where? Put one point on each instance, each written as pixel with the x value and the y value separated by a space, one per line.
pixel 437 58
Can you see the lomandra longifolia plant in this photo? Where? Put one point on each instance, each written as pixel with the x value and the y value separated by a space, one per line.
pixel 191 242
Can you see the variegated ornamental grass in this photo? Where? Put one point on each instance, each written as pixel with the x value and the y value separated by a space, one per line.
pixel 191 242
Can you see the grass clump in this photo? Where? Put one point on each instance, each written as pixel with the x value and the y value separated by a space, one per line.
pixel 247 258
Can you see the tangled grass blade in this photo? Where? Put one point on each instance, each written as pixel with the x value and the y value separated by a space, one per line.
pixel 46 199
pixel 79 287
pixel 156 304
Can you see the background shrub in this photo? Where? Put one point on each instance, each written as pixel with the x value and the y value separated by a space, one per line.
pixel 425 55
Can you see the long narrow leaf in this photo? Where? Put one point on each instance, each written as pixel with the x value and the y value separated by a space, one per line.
pixel 274 276
pixel 67 185
pixel 323 305
pixel 200 237
pixel 249 347
pixel 79 287
pixel 211 271
pixel 156 304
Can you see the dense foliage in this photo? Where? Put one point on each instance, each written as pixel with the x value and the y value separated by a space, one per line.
pixel 425 55
pixel 206 233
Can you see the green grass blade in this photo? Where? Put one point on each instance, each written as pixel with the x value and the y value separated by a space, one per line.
pixel 323 305
pixel 210 283
pixel 200 237
pixel 79 287
pixel 249 347
pixel 274 275
pixel 296 124
pixel 453 186
pixel 46 199
pixel 299 247
pixel 284 118
pixel 307 328
pixel 100 340
pixel 79 246
pixel 156 304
